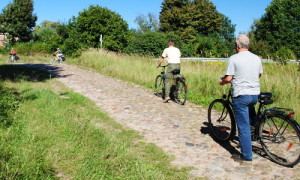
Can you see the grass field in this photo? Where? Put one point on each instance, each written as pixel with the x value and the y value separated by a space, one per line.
pixel 202 77
pixel 54 133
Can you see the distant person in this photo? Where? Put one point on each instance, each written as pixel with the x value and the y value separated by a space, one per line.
pixel 58 53
pixel 172 54
pixel 243 72
pixel 13 52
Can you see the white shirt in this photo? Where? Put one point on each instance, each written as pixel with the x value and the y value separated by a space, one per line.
pixel 172 55
pixel 245 67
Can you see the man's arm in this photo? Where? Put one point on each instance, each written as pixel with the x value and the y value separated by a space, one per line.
pixel 161 60
pixel 225 80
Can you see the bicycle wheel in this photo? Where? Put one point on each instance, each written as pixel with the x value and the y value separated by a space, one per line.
pixel 11 59
pixel 221 120
pixel 159 87
pixel 280 139
pixel 180 92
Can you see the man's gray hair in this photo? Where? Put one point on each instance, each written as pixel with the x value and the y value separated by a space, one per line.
pixel 242 41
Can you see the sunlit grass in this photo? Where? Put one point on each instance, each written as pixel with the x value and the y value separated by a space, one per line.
pixel 202 77
pixel 58 134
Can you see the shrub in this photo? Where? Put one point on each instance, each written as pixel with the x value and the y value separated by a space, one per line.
pixel 8 103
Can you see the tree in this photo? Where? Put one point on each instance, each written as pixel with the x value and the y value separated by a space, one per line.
pixel 280 26
pixel 147 23
pixel 18 19
pixel 227 29
pixel 189 18
pixel 148 43
pixel 94 21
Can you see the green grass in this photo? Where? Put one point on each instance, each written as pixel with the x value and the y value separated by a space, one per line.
pixel 202 77
pixel 56 133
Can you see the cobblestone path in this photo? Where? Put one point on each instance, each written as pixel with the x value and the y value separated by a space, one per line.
pixel 181 131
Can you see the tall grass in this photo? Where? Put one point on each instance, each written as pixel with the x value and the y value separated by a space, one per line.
pixel 202 77
pixel 58 134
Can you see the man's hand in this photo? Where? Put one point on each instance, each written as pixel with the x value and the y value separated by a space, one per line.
pixel 225 80
pixel 221 82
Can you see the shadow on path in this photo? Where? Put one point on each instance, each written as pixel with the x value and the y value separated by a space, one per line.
pixel 29 72
pixel 227 145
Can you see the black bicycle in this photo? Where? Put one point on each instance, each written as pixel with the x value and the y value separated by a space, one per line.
pixel 12 58
pixel 178 90
pixel 275 129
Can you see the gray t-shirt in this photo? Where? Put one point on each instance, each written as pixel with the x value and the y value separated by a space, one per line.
pixel 246 68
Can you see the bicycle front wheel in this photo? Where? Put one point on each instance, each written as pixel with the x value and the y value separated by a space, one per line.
pixel 221 120
pixel 180 93
pixel 280 139
pixel 159 86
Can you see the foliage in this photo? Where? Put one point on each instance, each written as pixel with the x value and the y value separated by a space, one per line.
pixel 94 21
pixel 147 23
pixel 283 54
pixel 280 26
pixel 148 43
pixel 8 103
pixel 227 29
pixel 213 46
pixel 176 16
pixel 30 48
pixel 18 20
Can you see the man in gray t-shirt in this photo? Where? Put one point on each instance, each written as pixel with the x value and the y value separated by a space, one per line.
pixel 243 71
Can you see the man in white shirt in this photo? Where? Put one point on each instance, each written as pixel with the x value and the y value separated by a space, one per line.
pixel 243 72
pixel 172 55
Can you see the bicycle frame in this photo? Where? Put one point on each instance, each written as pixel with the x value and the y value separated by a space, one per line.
pixel 176 77
pixel 262 111
pixel 178 89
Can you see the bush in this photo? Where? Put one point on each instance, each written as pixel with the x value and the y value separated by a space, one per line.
pixel 31 48
pixel 284 54
pixel 8 103
pixel 149 43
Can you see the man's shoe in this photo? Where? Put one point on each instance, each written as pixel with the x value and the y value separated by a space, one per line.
pixel 239 158
pixel 166 100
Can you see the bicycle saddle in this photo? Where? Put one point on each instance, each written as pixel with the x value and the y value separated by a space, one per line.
pixel 176 72
pixel 265 95
pixel 265 98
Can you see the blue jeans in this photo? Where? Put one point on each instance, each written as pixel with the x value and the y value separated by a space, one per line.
pixel 244 112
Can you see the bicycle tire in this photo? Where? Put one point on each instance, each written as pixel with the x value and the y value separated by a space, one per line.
pixel 180 92
pixel 11 59
pixel 221 120
pixel 280 138
pixel 159 86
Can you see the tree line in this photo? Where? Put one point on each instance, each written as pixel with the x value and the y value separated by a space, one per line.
pixel 196 25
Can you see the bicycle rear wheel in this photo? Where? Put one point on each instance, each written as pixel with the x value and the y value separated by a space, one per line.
pixel 280 139
pixel 159 87
pixel 180 92
pixel 221 120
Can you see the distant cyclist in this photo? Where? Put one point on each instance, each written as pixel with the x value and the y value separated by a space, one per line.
pixel 13 54
pixel 58 54
pixel 172 54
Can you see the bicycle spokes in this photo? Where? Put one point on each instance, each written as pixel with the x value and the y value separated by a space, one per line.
pixel 220 120
pixel 280 139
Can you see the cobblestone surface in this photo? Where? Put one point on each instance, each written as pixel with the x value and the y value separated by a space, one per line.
pixel 181 131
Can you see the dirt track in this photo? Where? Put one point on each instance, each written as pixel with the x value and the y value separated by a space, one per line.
pixel 181 131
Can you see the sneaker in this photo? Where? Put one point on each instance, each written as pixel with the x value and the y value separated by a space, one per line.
pixel 239 158
pixel 166 100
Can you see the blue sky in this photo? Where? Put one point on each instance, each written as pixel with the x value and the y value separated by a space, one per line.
pixel 240 12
